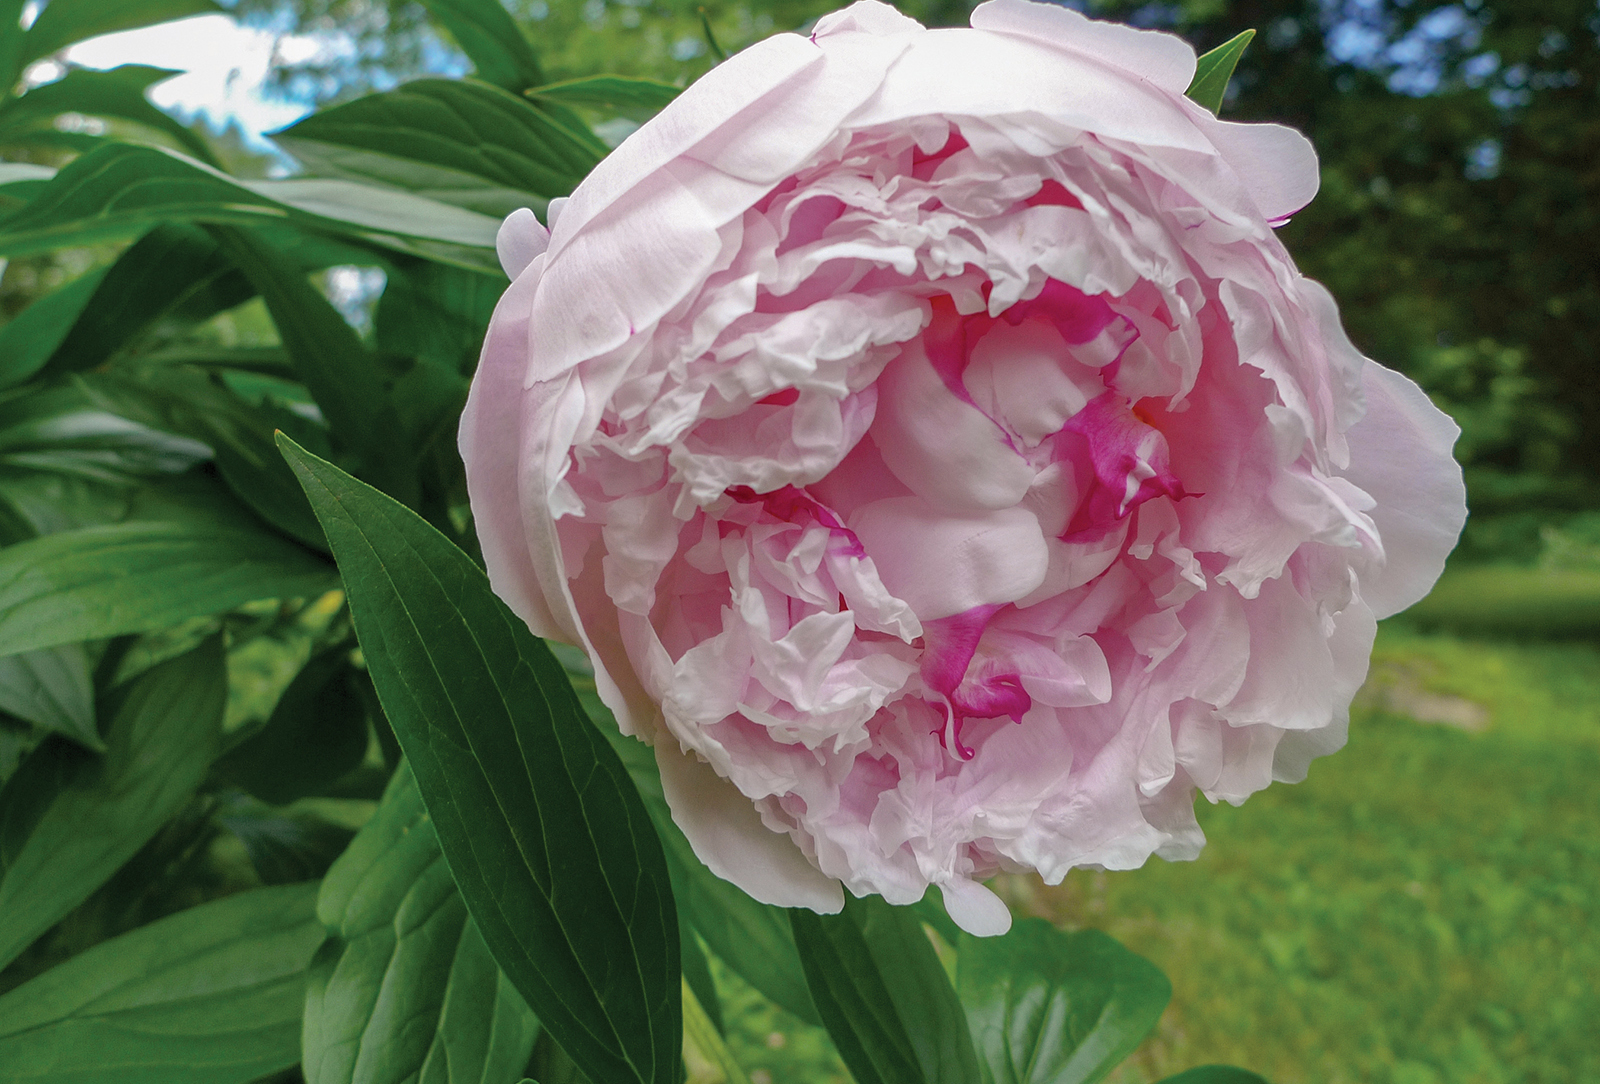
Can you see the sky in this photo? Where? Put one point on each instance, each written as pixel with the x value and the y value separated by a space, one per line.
pixel 224 65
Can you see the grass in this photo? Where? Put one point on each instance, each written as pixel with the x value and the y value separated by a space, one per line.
pixel 1422 910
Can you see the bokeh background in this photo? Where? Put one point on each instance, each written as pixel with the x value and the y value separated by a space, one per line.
pixel 1423 909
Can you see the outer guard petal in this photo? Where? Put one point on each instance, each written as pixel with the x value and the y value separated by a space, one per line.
pixel 1400 454
pixel 1163 59
pixel 727 835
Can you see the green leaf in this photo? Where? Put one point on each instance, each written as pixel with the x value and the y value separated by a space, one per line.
pixel 183 399
pixel 69 819
pixel 285 846
pixel 170 268
pixel 63 22
pixel 122 190
pixel 616 93
pixel 51 688
pixel 118 92
pixel 1048 1007
pixel 97 582
pixel 549 842
pixel 453 140
pixel 491 39
pixel 436 314
pixel 853 999
pixel 1215 1074
pixel 883 994
pixel 919 987
pixel 34 334
pixel 211 995
pixel 752 938
pixel 1214 69
pixel 408 991
pixel 317 733
pixel 697 973
pixel 59 430
pixel 328 357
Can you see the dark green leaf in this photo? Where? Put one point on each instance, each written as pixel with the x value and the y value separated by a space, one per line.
pixel 68 819
pixel 1048 1007
pixel 117 93
pixel 853 1000
pixel 34 334
pixel 547 839
pixel 1214 69
pixel 174 266
pixel 752 938
pixel 51 688
pixel 211 995
pixel 65 21
pixel 436 314
pixel 122 190
pixel 285 847
pixel 131 577
pixel 316 734
pixel 697 973
pixel 182 399
pixel 329 358
pixel 453 140
pixel 491 40
pixel 59 430
pixel 408 990
pixel 1215 1074
pixel 923 998
pixel 615 93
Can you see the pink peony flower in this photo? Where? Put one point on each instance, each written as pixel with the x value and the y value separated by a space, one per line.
pixel 942 462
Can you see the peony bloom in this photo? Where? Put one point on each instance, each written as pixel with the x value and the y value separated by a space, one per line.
pixel 942 462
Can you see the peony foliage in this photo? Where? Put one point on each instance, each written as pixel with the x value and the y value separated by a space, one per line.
pixel 291 787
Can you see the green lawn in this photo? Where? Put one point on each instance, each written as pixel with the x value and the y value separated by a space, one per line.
pixel 1422 910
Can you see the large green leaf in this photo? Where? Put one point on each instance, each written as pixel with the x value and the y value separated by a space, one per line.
pixel 63 22
pixel 185 399
pixel 59 430
pixel 97 582
pixel 454 140
pixel 328 357
pixel 69 819
pixel 122 190
pixel 29 340
pixel 174 266
pixel 854 1000
pixel 408 991
pixel 1048 1007
pixel 491 39
pixel 51 688
pixel 615 93
pixel 752 938
pixel 118 93
pixel 883 994
pixel 436 314
pixel 547 838
pixel 1215 68
pixel 919 988
pixel 317 733
pixel 211 995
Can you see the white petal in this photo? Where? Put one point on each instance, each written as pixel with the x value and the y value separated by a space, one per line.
pixel 1400 454
pixel 727 835
pixel 1163 59
pixel 943 565
pixel 521 238
pixel 975 909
